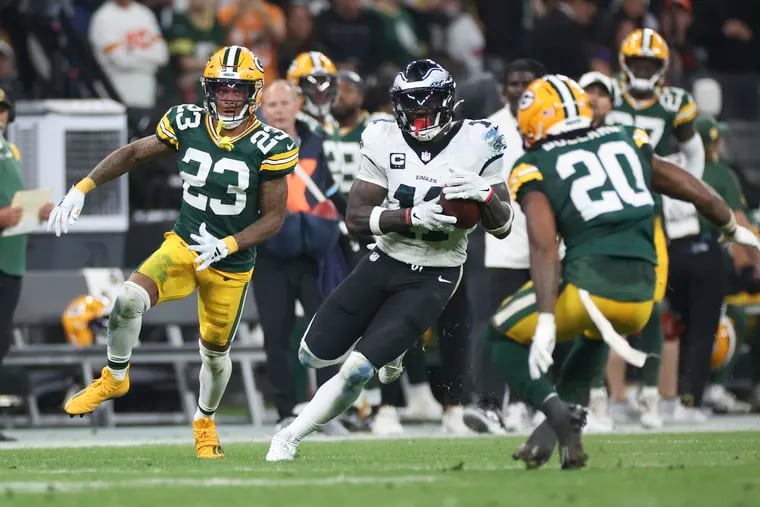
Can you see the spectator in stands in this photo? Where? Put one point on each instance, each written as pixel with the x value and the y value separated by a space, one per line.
pixel 599 89
pixel 459 36
pixel 193 36
pixel 12 248
pixel 560 40
pixel 258 25
pixel 728 30
pixel 8 73
pixel 300 35
pixel 128 44
pixel 348 33
pixel 397 31
pixel 285 270
pixel 503 31
pixel 675 20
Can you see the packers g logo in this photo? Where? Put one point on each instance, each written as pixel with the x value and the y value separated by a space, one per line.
pixel 526 100
pixel 257 63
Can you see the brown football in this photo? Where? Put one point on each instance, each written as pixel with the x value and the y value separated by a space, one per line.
pixel 467 211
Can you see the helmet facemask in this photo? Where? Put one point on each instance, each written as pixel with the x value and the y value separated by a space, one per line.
pixel 319 91
pixel 231 101
pixel 643 74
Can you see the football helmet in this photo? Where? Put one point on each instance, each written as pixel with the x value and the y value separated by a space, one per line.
pixel 643 44
pixel 84 318
pixel 232 84
pixel 315 76
pixel 552 105
pixel 422 96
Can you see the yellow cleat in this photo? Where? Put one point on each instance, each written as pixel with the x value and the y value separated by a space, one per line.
pixel 99 390
pixel 206 440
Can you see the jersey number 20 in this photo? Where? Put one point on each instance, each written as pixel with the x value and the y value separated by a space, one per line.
pixel 588 192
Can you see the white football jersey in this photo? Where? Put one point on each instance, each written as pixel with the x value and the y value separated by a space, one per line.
pixel 417 172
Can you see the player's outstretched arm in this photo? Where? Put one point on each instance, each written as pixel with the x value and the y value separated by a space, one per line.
pixel 496 214
pixel 114 165
pixel 273 200
pixel 672 180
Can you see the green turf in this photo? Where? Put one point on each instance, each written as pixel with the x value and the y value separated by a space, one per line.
pixel 694 470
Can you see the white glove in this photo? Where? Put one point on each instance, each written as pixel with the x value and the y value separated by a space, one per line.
pixel 210 249
pixel 66 212
pixel 743 236
pixel 467 185
pixel 429 215
pixel 544 338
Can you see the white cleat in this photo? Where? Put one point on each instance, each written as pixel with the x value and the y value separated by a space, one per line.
pixel 649 405
pixel 598 419
pixel 421 405
pixel 722 401
pixel 517 418
pixel 391 371
pixel 452 421
pixel 386 422
pixel 675 412
pixel 484 420
pixel 281 448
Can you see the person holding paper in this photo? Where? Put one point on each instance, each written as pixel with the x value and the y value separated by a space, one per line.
pixel 12 248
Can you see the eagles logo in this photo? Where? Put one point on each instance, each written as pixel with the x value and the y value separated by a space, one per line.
pixel 526 100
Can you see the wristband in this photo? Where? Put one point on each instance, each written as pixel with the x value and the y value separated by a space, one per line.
pixel 374 220
pixel 729 228
pixel 232 244
pixel 85 185
pixel 546 319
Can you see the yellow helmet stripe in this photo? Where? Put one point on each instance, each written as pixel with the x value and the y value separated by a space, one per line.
pixel 565 95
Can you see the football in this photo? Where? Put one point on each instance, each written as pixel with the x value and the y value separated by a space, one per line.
pixel 467 211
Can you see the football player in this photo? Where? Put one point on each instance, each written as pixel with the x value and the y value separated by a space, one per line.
pixel 235 198
pixel 315 76
pixel 592 187
pixel 398 290
pixel 664 112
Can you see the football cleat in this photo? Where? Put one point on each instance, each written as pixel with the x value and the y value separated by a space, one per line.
pixel 452 421
pixel 99 390
pixel 649 405
pixel 571 453
pixel 392 370
pixel 282 448
pixel 539 447
pixel 484 420
pixel 206 439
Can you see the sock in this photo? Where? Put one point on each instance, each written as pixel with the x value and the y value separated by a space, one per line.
pixel 202 414
pixel 330 400
pixel 582 365
pixel 216 369
pixel 124 327
pixel 651 343
pixel 556 413
pixel 511 359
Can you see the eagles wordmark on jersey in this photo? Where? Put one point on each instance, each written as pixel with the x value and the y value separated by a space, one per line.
pixel 415 172
pixel 221 186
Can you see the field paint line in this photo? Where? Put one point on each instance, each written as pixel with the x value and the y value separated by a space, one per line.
pixel 78 486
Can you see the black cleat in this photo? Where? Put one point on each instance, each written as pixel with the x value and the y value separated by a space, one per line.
pixel 571 453
pixel 539 447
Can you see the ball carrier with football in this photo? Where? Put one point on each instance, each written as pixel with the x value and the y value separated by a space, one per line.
pixel 410 170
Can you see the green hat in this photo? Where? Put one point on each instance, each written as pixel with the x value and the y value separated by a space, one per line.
pixel 708 128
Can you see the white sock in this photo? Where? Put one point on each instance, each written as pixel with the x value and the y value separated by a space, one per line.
pixel 330 400
pixel 201 415
pixel 417 393
pixel 124 327
pixel 216 369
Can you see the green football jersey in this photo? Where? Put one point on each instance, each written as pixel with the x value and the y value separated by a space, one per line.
pixel 723 180
pixel 344 154
pixel 221 188
pixel 598 185
pixel 658 116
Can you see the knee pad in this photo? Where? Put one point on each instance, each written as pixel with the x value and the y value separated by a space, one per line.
pixel 357 370
pixel 310 360
pixel 214 360
pixel 130 304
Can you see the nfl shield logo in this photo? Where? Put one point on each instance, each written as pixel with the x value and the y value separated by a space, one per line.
pixel 425 156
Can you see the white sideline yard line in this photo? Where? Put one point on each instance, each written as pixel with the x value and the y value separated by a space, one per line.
pixel 176 482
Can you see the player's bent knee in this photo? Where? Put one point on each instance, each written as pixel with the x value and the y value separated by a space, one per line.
pixel 310 360
pixel 357 370
pixel 214 360
pixel 131 302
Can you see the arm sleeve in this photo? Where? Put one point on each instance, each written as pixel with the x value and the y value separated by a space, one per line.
pixel 694 151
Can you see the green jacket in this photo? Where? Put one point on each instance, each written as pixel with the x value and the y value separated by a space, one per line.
pixel 12 248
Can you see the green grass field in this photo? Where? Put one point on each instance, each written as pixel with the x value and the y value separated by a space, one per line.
pixel 694 470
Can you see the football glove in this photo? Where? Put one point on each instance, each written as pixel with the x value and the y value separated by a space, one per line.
pixel 542 348
pixel 743 236
pixel 210 248
pixel 467 185
pixel 429 215
pixel 66 212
